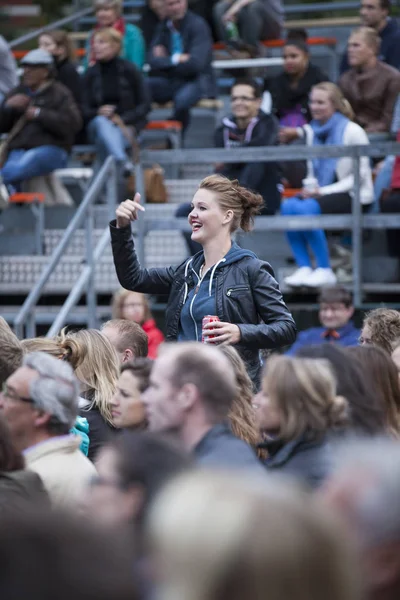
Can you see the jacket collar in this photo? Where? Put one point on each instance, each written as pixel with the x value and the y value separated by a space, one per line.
pixel 64 444
pixel 279 452
pixel 340 331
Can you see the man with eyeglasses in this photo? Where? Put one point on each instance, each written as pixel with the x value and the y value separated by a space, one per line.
pixel 375 14
pixel 39 401
pixel 247 126
pixel 335 314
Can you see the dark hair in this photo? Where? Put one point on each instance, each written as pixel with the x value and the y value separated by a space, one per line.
pixel 386 5
pixel 383 373
pixel 141 369
pixel 10 458
pixel 244 203
pixel 11 352
pixel 52 555
pixel 336 294
pixel 366 414
pixel 384 324
pixel 130 335
pixel 150 461
pixel 297 34
pixel 251 83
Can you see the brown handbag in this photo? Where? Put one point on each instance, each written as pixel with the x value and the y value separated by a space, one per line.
pixel 154 184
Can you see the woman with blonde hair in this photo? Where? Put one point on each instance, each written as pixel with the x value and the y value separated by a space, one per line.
pixel 241 416
pixel 298 407
pixel 329 185
pixel 223 279
pixel 219 536
pixel 135 307
pixel 97 369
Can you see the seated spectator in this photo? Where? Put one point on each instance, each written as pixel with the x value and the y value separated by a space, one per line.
pixel 290 90
pixel 335 312
pixel 381 327
pixel 301 411
pixel 96 367
pixel 364 491
pixel 109 14
pixel 390 203
pixel 152 14
pixel 367 416
pixel 59 44
pixel 42 119
pixel 20 489
pixel 375 14
pixel 180 61
pixel 40 404
pixel 217 536
pixel 115 99
pixel 371 86
pixel 128 339
pixel 135 307
pixel 192 389
pixel 205 9
pixel 329 184
pixel 247 126
pixel 8 69
pixel 11 352
pixel 252 20
pixel 127 408
pixel 381 368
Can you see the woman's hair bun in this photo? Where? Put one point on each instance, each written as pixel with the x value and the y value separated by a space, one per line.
pixel 252 204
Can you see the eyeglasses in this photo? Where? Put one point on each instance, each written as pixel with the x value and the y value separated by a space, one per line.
pixel 11 396
pixel 242 99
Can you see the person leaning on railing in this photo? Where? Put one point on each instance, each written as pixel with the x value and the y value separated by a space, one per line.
pixel 329 185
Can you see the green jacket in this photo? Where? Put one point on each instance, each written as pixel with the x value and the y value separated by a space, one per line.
pixel 133 46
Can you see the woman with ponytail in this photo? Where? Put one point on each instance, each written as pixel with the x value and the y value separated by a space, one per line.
pixel 96 366
pixel 222 279
pixel 301 412
pixel 329 185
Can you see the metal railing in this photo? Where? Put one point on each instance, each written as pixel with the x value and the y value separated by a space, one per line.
pixel 25 319
pixel 356 221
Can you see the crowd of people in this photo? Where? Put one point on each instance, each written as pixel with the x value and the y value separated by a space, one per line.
pixel 186 475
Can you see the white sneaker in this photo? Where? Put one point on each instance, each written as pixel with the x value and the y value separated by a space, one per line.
pixel 299 277
pixel 321 277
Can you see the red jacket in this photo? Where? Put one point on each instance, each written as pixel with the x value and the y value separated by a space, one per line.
pixel 395 183
pixel 155 336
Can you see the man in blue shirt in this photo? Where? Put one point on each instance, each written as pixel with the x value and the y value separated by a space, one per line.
pixel 375 14
pixel 335 312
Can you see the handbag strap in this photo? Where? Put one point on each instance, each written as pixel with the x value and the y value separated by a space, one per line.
pixel 131 137
pixel 16 128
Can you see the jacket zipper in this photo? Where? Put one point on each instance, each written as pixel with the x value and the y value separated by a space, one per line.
pixel 240 288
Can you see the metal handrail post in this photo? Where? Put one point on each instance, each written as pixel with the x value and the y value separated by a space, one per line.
pixel 76 221
pixel 31 325
pixel 79 286
pixel 90 289
pixel 141 223
pixel 356 232
pixel 112 191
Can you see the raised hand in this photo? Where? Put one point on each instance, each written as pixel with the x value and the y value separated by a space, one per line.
pixel 127 211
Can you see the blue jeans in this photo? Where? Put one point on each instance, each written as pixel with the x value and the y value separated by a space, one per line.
pixel 299 241
pixel 108 139
pixel 382 181
pixel 185 94
pixel 25 164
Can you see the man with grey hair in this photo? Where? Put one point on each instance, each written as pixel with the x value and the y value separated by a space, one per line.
pixel 191 392
pixel 365 490
pixel 39 401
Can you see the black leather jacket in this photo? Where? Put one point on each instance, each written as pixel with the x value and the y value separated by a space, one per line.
pixel 246 294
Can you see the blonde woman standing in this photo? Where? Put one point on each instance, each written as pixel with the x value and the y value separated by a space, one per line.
pixel 300 411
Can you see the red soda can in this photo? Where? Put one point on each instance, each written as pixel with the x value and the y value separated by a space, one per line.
pixel 208 319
